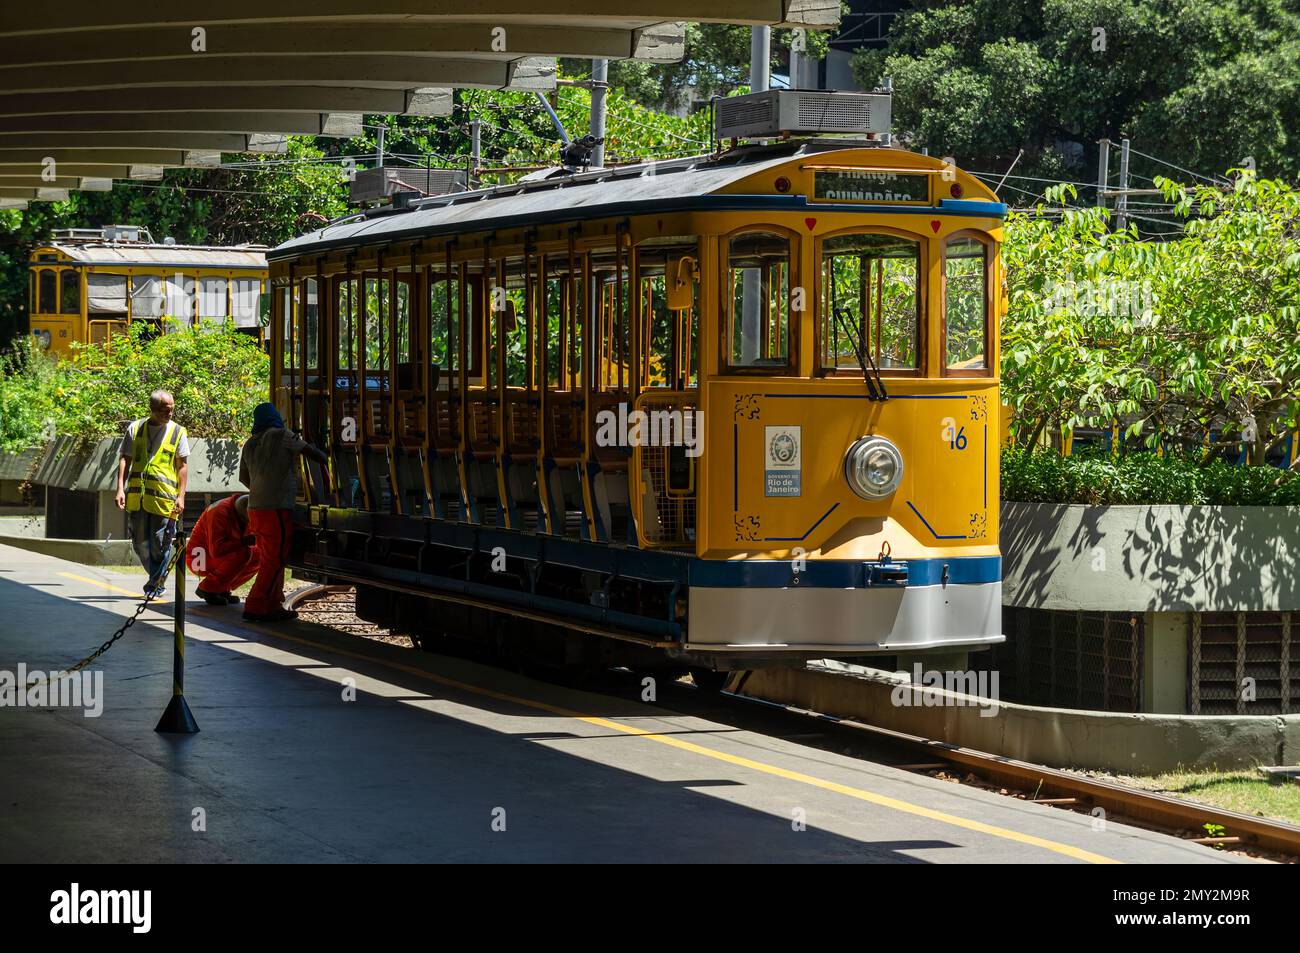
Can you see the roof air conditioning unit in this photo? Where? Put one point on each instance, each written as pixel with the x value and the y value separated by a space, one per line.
pixel 374 185
pixel 780 112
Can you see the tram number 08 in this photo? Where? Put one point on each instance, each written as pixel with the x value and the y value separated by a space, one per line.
pixel 954 435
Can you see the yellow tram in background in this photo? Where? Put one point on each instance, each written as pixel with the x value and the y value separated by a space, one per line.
pixel 88 284
pixel 728 411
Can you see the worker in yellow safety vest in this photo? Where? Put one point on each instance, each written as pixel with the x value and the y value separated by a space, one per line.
pixel 154 452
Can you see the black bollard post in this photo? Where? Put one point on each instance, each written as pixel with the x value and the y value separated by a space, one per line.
pixel 178 719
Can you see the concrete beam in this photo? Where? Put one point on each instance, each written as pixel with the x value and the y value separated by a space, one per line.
pixel 35 195
pixel 591 14
pixel 384 72
pixel 100 157
pixel 17 205
pixel 662 42
pixel 29 170
pixel 40 182
pixel 429 101
pixel 310 124
pixel 112 141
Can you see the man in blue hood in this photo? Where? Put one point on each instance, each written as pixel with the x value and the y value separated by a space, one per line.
pixel 268 466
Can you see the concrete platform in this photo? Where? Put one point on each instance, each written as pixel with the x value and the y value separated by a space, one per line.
pixel 430 754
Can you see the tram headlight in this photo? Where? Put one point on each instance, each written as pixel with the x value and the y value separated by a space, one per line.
pixel 43 338
pixel 874 468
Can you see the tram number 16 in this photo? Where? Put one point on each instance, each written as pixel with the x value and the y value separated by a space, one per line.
pixel 954 435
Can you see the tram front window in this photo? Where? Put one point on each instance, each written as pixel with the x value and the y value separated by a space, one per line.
pixel 869 298
pixel 757 300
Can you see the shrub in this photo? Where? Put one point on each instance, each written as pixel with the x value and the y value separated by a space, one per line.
pixel 1141 478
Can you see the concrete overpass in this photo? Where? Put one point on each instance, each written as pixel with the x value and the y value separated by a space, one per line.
pixel 110 92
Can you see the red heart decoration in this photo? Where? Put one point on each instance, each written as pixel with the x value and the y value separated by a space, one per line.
pixel 810 222
pixel 935 226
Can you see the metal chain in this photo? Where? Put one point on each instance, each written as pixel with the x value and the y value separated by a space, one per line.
pixel 108 643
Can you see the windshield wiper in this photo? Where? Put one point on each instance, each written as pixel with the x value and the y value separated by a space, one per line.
pixel 875 384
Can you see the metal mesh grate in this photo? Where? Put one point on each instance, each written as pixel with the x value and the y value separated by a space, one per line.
pixel 1088 660
pixel 1241 663
pixel 668 502
pixel 834 113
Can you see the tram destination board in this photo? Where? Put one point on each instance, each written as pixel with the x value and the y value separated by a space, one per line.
pixel 842 185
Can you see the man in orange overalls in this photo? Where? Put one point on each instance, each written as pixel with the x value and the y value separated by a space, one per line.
pixel 218 552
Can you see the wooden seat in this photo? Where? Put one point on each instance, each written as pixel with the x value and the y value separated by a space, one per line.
pixel 564 423
pixel 484 409
pixel 523 430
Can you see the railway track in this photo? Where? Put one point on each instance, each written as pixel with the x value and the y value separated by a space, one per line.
pixel 333 606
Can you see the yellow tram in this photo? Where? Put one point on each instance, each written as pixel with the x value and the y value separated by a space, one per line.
pixel 90 283
pixel 726 411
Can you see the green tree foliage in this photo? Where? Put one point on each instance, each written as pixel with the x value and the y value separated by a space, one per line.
pixel 1209 83
pixel 216 373
pixel 1177 341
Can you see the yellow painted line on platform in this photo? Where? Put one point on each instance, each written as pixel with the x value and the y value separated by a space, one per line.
pixel 138 596
pixel 1077 853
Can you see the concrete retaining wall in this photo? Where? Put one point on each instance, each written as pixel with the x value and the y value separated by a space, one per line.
pixel 1057 737
pixel 1151 558
pixel 89 552
pixel 214 465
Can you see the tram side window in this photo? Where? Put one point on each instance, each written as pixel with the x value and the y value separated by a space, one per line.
pixel 180 301
pixel 563 342
pixel 757 301
pixel 289 350
pixel 146 296
pixel 346 303
pixel 870 299
pixel 612 342
pixel 309 321
pixel 669 313
pixel 448 302
pixel 511 318
pixel 106 295
pixel 70 291
pixel 212 299
pixel 246 302
pixel 48 299
pixel 377 321
pixel 407 350
pixel 965 276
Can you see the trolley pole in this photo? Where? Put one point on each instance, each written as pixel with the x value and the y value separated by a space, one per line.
pixel 178 719
pixel 475 151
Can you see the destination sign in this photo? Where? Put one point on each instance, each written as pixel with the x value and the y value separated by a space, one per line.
pixel 849 186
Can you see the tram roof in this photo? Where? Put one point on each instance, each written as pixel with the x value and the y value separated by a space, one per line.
pixel 180 256
pixel 671 185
